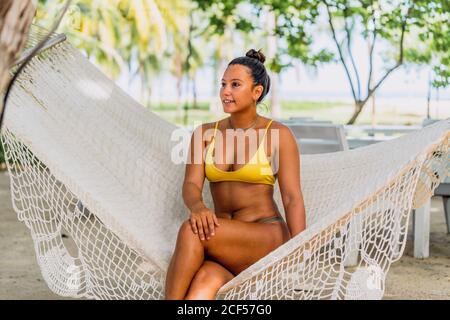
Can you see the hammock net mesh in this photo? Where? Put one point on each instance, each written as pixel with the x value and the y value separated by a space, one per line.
pixel 92 178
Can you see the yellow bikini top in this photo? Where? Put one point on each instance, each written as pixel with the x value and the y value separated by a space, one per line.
pixel 258 171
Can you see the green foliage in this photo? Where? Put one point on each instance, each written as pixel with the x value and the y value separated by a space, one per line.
pixel 121 34
pixel 146 36
pixel 418 32
pixel 432 43
pixel 383 19
pixel 295 18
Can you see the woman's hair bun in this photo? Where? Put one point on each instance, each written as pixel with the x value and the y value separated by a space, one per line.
pixel 258 55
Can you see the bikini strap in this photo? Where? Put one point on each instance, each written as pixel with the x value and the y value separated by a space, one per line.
pixel 215 130
pixel 270 122
pixel 213 140
pixel 212 143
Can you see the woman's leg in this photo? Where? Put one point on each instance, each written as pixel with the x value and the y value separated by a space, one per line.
pixel 208 280
pixel 186 260
pixel 235 245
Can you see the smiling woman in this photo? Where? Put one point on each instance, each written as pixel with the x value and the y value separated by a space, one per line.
pixel 59 143
pixel 213 246
pixel 255 75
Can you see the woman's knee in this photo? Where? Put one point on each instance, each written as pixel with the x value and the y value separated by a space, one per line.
pixel 212 272
pixel 186 235
pixel 208 280
pixel 186 229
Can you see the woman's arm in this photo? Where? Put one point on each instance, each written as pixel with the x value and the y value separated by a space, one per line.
pixel 194 176
pixel 203 220
pixel 289 181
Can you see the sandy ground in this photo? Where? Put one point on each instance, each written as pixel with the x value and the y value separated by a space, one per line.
pixel 409 278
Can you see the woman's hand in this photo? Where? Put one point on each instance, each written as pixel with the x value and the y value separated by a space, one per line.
pixel 203 222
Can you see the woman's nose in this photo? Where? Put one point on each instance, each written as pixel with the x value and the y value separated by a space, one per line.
pixel 225 90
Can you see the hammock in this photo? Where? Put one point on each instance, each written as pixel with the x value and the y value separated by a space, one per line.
pixel 87 161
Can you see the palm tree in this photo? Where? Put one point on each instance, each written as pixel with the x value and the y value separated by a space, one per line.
pixel 187 58
pixel 222 53
pixel 272 50
pixel 122 35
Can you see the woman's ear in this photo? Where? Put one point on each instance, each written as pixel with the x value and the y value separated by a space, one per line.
pixel 257 92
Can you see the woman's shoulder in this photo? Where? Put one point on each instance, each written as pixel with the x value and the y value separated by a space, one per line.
pixel 282 131
pixel 205 131
pixel 274 124
pixel 205 126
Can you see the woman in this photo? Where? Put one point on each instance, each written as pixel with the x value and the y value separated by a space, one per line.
pixel 214 246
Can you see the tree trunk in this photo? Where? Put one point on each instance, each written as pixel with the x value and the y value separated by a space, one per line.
pixel 145 95
pixel 215 106
pixel 194 92
pixel 155 93
pixel 186 102
pixel 275 98
pixel 272 48
pixel 374 121
pixel 178 114
pixel 358 108
pixel 15 21
pixel 429 94
pixel 215 92
pixel 179 82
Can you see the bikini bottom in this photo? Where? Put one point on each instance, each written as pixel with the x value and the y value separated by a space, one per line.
pixel 270 219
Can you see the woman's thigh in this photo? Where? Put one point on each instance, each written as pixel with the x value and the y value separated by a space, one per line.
pixel 238 244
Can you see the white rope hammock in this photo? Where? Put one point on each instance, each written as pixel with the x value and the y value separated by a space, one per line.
pixel 87 160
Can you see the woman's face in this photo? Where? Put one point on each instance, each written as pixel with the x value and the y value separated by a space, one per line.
pixel 237 91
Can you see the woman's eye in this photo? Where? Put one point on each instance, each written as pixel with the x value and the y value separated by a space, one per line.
pixel 234 84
